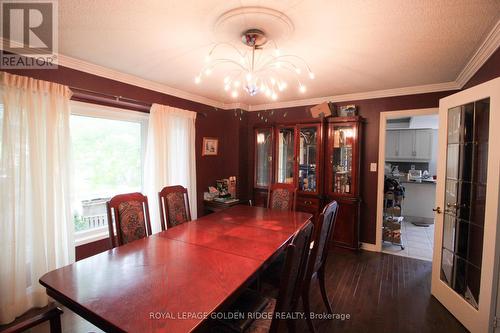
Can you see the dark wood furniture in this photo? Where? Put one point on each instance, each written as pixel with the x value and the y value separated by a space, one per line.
pixel 309 154
pixel 282 196
pixel 196 267
pixel 130 215
pixel 317 259
pixel 342 177
pixel 52 314
pixel 174 206
pixel 296 255
pixel 215 206
pixel 290 152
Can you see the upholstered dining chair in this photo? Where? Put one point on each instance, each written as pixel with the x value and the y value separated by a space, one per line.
pixel 129 213
pixel 316 264
pixel 174 206
pixel 251 301
pixel 281 196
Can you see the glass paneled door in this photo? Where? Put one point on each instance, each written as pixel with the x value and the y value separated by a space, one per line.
pixel 467 205
pixel 308 158
pixel 286 155
pixel 343 143
pixel 263 156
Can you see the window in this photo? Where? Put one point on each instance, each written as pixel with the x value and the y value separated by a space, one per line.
pixel 108 147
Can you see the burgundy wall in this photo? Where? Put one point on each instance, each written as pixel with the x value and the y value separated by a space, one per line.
pixel 370 110
pixel 235 132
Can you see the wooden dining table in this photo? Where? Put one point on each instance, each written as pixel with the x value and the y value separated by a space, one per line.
pixel 174 280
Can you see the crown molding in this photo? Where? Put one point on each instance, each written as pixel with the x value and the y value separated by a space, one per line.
pixel 428 88
pixel 486 49
pixel 483 53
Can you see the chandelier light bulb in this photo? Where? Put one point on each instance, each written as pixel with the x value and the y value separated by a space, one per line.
pixel 259 67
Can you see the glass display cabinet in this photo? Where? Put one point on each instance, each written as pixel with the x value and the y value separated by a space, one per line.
pixel 298 159
pixel 263 157
pixel 342 177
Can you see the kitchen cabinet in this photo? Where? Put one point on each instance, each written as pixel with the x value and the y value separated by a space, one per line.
pixel 408 145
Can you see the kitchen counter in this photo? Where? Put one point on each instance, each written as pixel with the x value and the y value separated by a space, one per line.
pixel 419 181
pixel 420 197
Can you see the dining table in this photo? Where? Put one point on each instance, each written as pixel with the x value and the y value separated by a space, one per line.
pixel 177 279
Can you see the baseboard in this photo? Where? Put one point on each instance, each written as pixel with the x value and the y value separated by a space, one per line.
pixel 369 247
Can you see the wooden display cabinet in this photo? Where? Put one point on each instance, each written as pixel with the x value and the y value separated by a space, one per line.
pixel 342 177
pixel 295 158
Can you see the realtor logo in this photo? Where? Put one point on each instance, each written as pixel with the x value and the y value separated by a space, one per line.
pixel 29 38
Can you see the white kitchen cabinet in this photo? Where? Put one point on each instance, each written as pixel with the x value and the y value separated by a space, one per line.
pixel 391 145
pixel 408 145
pixel 423 144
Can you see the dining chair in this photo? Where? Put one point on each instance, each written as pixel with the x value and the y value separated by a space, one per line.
pixel 52 314
pixel 174 206
pixel 281 196
pixel 129 213
pixel 316 264
pixel 251 301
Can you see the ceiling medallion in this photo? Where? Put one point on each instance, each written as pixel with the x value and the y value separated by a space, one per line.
pixel 258 67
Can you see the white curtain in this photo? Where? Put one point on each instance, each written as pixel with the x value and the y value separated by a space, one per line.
pixel 170 156
pixel 36 228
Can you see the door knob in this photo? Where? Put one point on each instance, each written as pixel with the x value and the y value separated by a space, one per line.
pixel 437 210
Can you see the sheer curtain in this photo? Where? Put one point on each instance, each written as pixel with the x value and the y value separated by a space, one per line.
pixel 35 216
pixel 170 156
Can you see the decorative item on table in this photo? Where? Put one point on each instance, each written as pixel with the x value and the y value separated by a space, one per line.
pixel 222 186
pixel 210 147
pixel 347 111
pixel 211 194
pixel 232 186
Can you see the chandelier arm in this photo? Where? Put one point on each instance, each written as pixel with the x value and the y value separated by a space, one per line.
pixel 212 50
pixel 217 62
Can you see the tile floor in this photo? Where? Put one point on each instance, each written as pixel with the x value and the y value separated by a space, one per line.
pixel 418 242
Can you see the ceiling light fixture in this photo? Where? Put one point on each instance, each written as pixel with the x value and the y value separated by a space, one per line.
pixel 259 68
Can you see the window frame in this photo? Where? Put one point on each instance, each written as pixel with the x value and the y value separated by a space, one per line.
pixel 112 113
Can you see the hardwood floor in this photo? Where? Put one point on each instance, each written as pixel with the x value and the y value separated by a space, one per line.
pixel 380 293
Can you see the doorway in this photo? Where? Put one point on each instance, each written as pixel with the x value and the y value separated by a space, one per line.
pixel 407 182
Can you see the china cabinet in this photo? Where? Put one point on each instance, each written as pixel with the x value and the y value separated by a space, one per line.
pixel 290 153
pixel 342 177
pixel 321 158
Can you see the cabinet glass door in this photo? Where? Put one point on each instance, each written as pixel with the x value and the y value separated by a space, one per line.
pixel 286 155
pixel 308 159
pixel 263 156
pixel 465 197
pixel 343 139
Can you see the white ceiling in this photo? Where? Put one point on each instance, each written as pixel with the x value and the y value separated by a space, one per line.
pixel 353 46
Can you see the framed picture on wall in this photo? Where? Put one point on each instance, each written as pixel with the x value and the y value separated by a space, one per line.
pixel 210 147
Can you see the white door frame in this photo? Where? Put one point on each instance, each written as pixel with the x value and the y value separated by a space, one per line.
pixel 481 319
pixel 384 116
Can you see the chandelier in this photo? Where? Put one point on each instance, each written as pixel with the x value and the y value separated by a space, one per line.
pixel 258 68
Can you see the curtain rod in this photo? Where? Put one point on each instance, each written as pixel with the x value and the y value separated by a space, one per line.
pixel 83 95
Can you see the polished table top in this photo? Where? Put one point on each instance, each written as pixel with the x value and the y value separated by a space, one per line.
pixel 181 274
